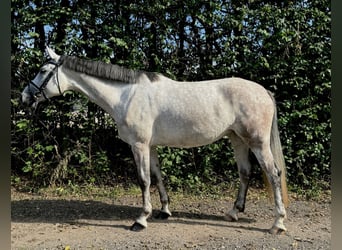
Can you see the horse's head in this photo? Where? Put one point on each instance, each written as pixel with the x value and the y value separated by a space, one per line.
pixel 46 83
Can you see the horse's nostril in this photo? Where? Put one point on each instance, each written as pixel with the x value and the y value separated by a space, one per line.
pixel 27 99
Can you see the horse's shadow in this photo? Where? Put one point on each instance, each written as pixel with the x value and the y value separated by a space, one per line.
pixel 89 211
pixel 64 211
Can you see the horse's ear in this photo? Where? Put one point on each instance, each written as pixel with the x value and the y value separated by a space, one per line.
pixel 52 54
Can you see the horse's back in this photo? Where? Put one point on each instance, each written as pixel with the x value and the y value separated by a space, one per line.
pixel 197 113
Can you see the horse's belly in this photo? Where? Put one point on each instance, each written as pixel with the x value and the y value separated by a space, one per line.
pixel 187 136
pixel 190 143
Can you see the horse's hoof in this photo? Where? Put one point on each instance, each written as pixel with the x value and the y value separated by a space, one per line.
pixel 229 217
pixel 137 227
pixel 162 216
pixel 276 230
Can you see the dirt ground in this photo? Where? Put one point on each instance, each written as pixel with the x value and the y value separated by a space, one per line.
pixel 41 221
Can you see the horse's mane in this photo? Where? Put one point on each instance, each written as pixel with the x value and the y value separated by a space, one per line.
pixel 106 70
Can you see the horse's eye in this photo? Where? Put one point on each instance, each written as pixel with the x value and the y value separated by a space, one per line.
pixel 42 70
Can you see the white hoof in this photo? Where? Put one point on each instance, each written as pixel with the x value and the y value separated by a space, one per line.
pixel 277 230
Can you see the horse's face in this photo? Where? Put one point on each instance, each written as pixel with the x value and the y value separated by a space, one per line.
pixel 45 84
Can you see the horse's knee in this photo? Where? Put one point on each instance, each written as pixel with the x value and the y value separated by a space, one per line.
pixel 244 175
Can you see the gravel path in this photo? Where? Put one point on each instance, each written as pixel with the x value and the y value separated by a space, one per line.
pixel 78 222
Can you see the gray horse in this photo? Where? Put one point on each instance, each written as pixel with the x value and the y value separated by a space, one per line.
pixel 150 109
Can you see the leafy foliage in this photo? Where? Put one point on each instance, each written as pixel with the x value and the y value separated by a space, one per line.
pixel 284 45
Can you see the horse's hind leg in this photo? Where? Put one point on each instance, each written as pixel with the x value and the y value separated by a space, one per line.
pixel 264 155
pixel 241 153
pixel 164 198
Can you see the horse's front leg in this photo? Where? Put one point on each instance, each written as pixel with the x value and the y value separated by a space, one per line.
pixel 164 198
pixel 141 154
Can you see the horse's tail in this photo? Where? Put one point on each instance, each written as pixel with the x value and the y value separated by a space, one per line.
pixel 278 156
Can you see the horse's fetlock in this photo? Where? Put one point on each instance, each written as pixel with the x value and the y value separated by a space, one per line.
pixel 239 206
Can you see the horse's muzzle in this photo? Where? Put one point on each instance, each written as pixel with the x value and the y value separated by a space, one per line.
pixel 28 100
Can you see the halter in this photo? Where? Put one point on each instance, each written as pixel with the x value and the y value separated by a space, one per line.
pixel 42 87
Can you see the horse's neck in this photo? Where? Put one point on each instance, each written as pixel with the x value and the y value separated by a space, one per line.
pixel 102 92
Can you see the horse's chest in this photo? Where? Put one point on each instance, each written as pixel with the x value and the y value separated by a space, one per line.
pixel 135 127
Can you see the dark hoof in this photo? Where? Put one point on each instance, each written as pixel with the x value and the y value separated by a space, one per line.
pixel 162 216
pixel 137 227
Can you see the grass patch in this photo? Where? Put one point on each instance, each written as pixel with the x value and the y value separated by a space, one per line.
pixel 317 192
pixel 219 191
